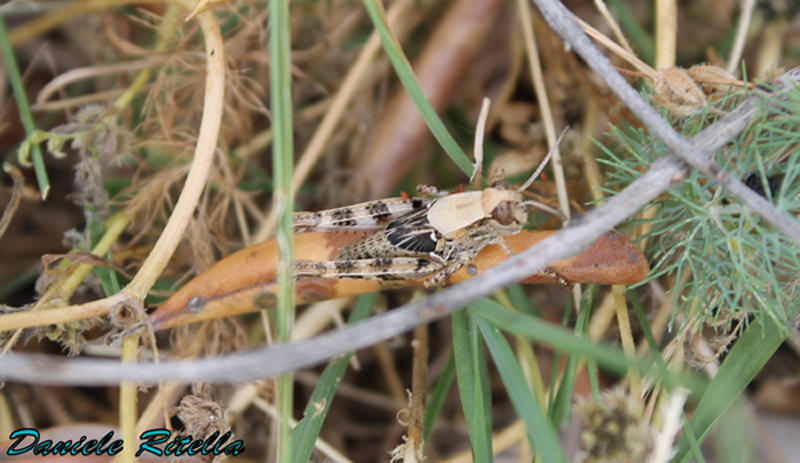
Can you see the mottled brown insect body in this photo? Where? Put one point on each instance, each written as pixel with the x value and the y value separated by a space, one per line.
pixel 432 239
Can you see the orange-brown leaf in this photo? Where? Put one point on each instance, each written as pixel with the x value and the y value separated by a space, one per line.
pixel 246 280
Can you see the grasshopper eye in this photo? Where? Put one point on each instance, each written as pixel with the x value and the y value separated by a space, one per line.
pixel 503 213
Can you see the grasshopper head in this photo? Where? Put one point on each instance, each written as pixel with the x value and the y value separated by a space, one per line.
pixel 506 208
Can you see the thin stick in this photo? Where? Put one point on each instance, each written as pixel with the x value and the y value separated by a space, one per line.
pixel 741 35
pixel 201 164
pixel 16 196
pixel 75 75
pixel 64 288
pixel 544 162
pixel 415 445
pixel 480 132
pixel 626 337
pixel 666 33
pixel 40 24
pixel 619 51
pixel 612 23
pixel 128 415
pixel 544 103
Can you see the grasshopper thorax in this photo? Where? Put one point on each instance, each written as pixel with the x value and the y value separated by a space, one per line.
pixel 503 205
pixel 505 208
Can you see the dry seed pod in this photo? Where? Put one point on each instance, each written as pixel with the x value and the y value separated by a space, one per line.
pixel 678 93
pixel 714 80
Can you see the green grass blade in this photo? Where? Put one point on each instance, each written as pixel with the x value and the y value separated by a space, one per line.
pixel 541 434
pixel 756 345
pixel 282 200
pixel 439 394
pixel 562 405
pixel 473 384
pixel 25 114
pixel 551 334
pixel 409 81
pixel 108 279
pixel 307 430
pixel 734 434
pixel 521 301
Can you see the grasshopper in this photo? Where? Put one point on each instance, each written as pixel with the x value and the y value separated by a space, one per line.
pixel 419 237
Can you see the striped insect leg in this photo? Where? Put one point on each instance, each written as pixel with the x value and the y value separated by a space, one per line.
pixel 431 190
pixel 445 272
pixel 380 269
pixel 372 215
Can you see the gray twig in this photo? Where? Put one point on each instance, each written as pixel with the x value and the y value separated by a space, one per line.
pixel 272 361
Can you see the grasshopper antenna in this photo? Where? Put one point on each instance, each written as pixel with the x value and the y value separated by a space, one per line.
pixel 545 208
pixel 544 162
pixel 480 130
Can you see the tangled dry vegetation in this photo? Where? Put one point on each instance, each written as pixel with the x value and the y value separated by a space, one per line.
pixel 129 99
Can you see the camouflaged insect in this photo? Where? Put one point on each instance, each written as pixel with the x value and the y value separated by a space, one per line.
pixel 418 238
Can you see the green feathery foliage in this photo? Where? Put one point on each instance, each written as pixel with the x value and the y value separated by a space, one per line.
pixel 739 264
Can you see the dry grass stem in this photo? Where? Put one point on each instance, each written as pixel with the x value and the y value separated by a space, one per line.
pixel 742 27
pixel 619 51
pixel 128 414
pixel 201 164
pixel 771 49
pixel 16 196
pixel 612 23
pixel 544 104
pixel 480 132
pixel 44 23
pixel 75 75
pixel 626 336
pixel 666 33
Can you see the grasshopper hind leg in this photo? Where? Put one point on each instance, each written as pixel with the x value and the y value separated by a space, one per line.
pixel 379 268
pixel 442 275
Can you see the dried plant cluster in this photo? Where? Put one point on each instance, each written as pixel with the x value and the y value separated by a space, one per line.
pixel 614 429
pixel 133 105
